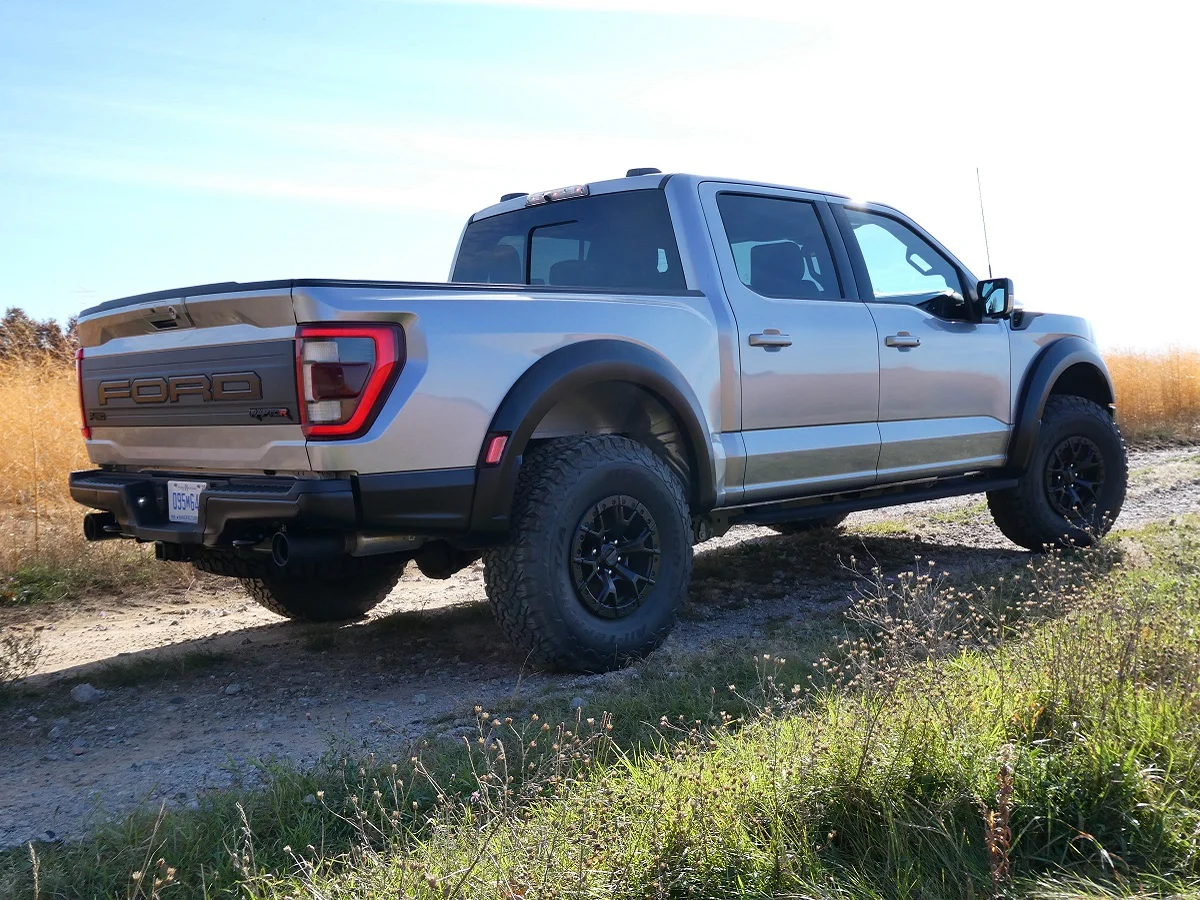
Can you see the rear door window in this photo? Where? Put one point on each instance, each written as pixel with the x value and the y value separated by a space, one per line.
pixel 779 247
pixel 619 242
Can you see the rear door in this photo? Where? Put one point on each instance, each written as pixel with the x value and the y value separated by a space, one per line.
pixel 943 379
pixel 194 382
pixel 809 364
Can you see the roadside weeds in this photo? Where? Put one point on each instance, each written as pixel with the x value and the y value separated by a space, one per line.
pixel 884 774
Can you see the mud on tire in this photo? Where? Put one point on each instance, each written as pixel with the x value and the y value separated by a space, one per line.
pixel 1075 486
pixel 581 507
pixel 333 591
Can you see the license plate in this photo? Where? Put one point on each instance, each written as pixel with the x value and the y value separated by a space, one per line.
pixel 183 500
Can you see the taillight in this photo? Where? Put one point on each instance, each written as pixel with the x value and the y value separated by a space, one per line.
pixel 83 423
pixel 343 374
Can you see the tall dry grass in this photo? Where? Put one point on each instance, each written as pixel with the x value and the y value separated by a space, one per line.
pixel 1158 394
pixel 42 552
pixel 42 443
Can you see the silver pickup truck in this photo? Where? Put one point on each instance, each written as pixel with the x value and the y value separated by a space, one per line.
pixel 616 371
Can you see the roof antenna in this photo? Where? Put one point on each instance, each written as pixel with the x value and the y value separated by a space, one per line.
pixel 987 249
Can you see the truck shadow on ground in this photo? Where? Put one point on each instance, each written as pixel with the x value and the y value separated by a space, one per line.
pixel 738 585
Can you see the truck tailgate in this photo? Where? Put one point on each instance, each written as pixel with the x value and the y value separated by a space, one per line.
pixel 194 381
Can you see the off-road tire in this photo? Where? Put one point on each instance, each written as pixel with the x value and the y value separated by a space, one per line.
pixel 529 579
pixel 333 591
pixel 1025 513
pixel 804 526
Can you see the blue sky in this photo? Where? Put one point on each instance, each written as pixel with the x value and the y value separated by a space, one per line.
pixel 146 145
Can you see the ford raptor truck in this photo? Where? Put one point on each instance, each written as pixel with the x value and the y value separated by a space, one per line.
pixel 615 372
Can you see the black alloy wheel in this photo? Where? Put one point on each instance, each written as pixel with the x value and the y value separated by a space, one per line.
pixel 615 556
pixel 1074 487
pixel 1074 478
pixel 599 557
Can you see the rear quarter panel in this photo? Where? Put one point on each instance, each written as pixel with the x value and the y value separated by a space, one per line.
pixel 465 350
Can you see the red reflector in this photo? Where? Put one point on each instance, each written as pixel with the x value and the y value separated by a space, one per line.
pixel 495 449
pixel 83 424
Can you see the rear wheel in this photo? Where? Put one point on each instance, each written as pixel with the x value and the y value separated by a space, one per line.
pixel 336 590
pixel 1075 486
pixel 600 557
pixel 804 526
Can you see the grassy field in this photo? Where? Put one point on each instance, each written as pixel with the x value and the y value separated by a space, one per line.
pixel 1158 394
pixel 42 554
pixel 1038 736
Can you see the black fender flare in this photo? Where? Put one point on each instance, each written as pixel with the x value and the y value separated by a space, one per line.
pixel 1044 370
pixel 557 375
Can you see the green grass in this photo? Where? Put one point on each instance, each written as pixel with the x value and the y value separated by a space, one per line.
pixel 962 515
pixel 882 528
pixel 1067 703
pixel 49 577
pixel 157 667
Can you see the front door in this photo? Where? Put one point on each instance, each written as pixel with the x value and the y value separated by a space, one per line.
pixel 809 364
pixel 944 404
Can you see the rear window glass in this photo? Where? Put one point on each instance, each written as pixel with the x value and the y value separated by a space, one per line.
pixel 622 242
pixel 779 247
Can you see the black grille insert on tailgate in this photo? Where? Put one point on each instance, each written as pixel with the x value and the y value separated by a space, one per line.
pixel 234 384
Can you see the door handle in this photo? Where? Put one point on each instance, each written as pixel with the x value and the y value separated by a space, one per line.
pixel 770 338
pixel 903 339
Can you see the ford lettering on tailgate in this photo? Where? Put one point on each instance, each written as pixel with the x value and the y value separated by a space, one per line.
pixel 223 386
pixel 232 384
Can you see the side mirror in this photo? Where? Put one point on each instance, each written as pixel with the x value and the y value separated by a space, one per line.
pixel 996 294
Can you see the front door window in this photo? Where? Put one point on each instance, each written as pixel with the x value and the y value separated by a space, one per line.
pixel 902 265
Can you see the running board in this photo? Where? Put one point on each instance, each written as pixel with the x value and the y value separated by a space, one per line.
pixel 869 498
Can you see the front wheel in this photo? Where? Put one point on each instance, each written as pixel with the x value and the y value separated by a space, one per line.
pixel 600 557
pixel 1075 485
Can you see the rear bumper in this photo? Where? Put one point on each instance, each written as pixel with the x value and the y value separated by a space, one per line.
pixel 435 503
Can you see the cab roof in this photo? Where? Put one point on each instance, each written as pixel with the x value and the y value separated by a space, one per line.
pixel 647 182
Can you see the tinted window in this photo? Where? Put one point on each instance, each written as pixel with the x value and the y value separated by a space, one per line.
pixel 779 247
pixel 621 241
pixel 902 265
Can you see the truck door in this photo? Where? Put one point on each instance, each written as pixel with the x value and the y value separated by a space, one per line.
pixel 809 364
pixel 944 404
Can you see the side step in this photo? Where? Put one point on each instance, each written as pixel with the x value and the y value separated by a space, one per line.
pixel 869 498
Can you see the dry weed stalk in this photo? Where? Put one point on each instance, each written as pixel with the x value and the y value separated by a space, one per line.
pixel 19 655
pixel 997 833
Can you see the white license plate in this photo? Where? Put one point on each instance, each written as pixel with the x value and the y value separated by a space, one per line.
pixel 183 500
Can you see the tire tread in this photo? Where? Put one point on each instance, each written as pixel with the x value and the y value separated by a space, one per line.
pixel 512 590
pixel 1017 511
pixel 303 594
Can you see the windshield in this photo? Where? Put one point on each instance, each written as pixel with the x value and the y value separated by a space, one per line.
pixel 621 242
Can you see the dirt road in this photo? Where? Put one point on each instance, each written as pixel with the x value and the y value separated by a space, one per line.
pixel 255 686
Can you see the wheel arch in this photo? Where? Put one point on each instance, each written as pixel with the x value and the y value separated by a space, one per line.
pixel 575 371
pixel 1069 365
